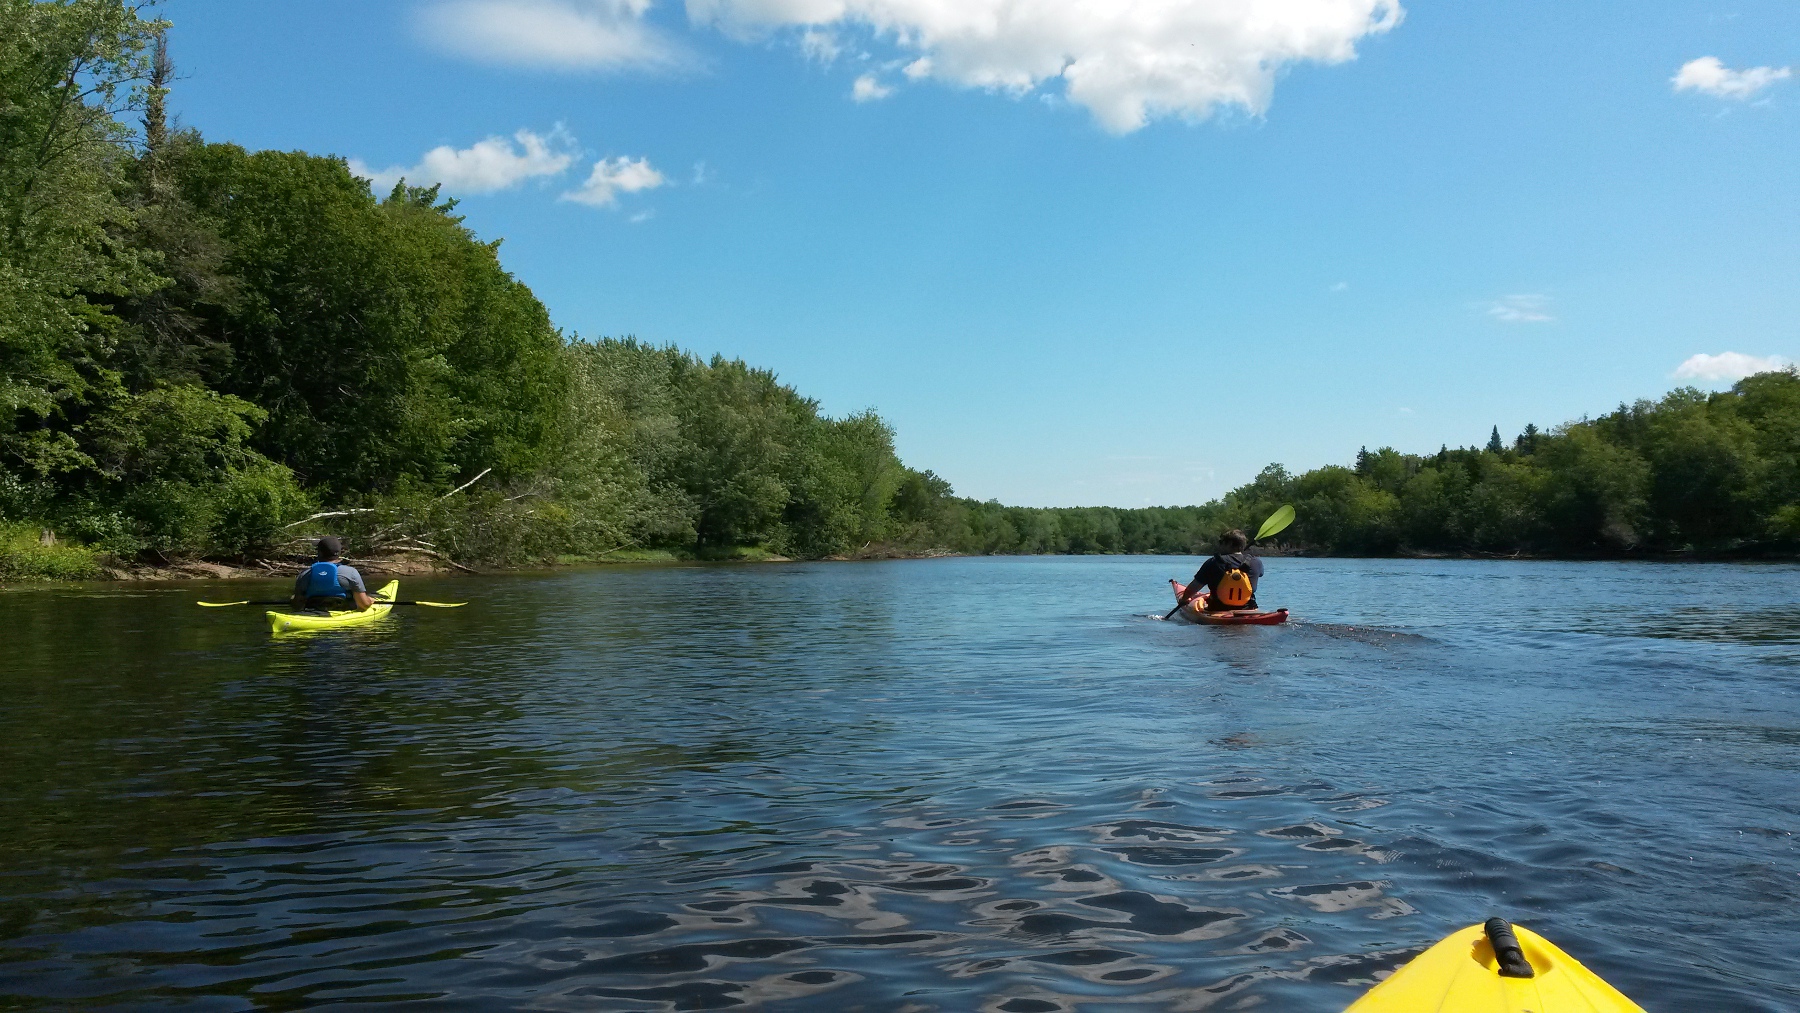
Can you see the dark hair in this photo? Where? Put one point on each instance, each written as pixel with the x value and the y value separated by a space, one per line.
pixel 1233 541
pixel 330 548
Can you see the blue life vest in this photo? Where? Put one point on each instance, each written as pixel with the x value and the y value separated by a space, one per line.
pixel 322 581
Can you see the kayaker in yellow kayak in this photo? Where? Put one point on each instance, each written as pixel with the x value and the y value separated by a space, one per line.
pixel 329 584
pixel 1230 576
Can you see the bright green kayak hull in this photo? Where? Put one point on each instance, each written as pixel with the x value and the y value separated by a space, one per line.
pixel 289 622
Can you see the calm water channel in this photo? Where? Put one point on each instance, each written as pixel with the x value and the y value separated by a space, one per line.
pixel 963 784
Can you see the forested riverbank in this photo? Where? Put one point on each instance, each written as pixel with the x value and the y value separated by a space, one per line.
pixel 214 353
pixel 1696 474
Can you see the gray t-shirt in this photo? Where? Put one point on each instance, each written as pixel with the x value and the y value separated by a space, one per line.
pixel 348 579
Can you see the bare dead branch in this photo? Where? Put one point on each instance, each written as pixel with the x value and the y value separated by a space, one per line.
pixel 326 515
pixel 465 485
pixel 432 553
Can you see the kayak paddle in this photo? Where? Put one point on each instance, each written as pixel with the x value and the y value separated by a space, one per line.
pixel 377 601
pixel 1275 525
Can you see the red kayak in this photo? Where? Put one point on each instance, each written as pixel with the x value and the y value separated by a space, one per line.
pixel 1195 611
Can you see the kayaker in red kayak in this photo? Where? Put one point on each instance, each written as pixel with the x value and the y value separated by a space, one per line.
pixel 329 584
pixel 1230 576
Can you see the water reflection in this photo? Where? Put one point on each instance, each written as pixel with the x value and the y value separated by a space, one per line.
pixel 949 785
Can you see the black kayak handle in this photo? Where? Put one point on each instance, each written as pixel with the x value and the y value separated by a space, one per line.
pixel 1507 951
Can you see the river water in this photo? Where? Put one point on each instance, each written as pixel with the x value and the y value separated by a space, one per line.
pixel 961 784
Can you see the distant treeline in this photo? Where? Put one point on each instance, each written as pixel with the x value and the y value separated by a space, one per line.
pixel 212 352
pixel 1716 473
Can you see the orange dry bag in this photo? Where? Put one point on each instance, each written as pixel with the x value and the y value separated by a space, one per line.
pixel 1233 590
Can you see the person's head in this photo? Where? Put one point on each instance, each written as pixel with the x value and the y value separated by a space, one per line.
pixel 330 548
pixel 1233 541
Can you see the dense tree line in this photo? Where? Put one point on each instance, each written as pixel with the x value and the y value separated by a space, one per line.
pixel 1696 471
pixel 208 351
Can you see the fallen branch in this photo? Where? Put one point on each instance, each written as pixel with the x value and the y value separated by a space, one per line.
pixel 381 533
pixel 465 485
pixel 626 544
pixel 402 543
pixel 430 552
pixel 330 513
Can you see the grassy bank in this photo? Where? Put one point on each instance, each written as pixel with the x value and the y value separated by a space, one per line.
pixel 27 554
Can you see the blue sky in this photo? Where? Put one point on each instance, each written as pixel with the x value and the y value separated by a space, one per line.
pixel 1126 257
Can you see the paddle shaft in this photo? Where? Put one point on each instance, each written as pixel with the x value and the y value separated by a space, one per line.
pixel 377 601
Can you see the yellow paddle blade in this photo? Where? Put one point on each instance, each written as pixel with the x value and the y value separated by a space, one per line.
pixel 442 604
pixel 1277 522
pixel 219 604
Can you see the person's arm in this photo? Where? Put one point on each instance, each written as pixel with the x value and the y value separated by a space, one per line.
pixel 299 597
pixel 359 595
pixel 1197 585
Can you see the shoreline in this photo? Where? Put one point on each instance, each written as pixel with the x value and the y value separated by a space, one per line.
pixel 285 568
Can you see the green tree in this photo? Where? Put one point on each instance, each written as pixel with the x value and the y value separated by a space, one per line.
pixel 1704 468
pixel 1596 491
pixel 384 340
pixel 67 70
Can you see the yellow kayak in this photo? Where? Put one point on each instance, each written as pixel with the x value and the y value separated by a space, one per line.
pixel 286 622
pixel 1494 968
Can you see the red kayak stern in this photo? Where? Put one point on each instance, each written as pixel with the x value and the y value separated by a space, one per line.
pixel 1195 612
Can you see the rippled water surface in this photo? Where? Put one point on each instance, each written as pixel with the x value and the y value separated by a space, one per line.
pixel 964 784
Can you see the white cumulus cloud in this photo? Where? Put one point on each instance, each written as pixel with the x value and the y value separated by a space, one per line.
pixel 1709 75
pixel 1521 309
pixel 559 34
pixel 484 167
pixel 1727 366
pixel 613 176
pixel 1126 61
pixel 868 89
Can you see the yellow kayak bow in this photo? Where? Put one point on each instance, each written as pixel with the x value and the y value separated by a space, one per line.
pixel 1494 968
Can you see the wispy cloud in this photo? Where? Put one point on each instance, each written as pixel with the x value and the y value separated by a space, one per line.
pixel 1341 286
pixel 1521 309
pixel 554 34
pixel 484 167
pixel 613 176
pixel 1712 77
pixel 1730 366
pixel 868 89
pixel 821 46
